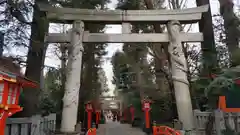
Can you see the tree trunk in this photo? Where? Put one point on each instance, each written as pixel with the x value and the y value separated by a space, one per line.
pixel 63 59
pixel 231 25
pixel 160 78
pixel 209 52
pixel 35 61
pixel 1 43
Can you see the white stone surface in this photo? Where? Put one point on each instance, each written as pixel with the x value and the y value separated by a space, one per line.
pixel 74 66
pixel 179 75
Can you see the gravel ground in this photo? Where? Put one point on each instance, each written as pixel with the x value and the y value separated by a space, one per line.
pixel 115 128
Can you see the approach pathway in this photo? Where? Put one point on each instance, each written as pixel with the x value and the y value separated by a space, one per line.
pixel 115 128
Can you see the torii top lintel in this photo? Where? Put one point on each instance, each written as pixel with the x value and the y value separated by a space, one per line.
pixel 185 16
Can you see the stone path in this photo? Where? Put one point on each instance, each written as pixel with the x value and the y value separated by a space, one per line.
pixel 115 128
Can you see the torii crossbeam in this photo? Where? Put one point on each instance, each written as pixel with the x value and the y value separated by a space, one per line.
pixel 185 16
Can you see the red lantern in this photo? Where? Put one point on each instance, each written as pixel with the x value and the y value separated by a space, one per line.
pixel 10 88
pixel 89 110
pixel 89 107
pixel 146 106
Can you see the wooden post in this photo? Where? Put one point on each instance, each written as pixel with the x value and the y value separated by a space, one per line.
pixel 179 75
pixel 71 95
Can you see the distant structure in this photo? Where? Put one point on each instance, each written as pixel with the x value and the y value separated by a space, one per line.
pixel 1 43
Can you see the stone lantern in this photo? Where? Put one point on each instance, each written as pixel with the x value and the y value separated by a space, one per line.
pixel 11 86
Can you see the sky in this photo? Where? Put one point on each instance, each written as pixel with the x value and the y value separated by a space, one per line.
pixel 51 59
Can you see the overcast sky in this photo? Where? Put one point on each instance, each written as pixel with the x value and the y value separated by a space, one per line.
pixel 112 48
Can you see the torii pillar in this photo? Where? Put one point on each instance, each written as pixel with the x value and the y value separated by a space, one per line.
pixel 179 75
pixel 71 95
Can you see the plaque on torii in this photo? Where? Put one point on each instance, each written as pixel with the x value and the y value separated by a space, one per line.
pixel 172 18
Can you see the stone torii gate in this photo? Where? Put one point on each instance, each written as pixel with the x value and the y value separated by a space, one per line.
pixel 173 19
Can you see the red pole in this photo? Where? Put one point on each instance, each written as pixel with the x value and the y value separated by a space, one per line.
pixel 147 119
pixel 3 117
pixel 97 117
pixel 147 108
pixel 3 113
pixel 89 119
